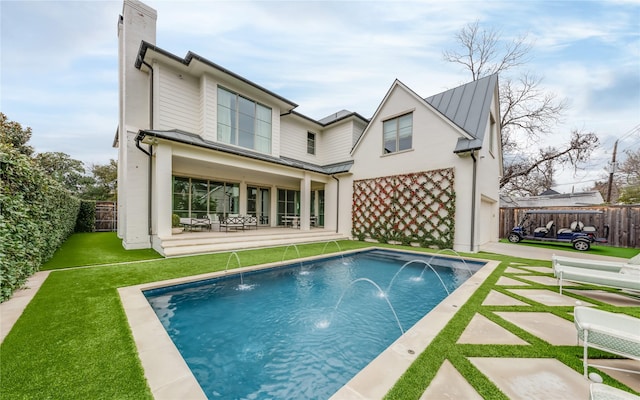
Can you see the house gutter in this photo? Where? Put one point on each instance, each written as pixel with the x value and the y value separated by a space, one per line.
pixel 150 151
pixel 337 203
pixel 473 199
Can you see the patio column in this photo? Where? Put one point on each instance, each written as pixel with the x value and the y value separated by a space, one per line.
pixel 243 198
pixel 162 189
pixel 305 202
pixel 273 211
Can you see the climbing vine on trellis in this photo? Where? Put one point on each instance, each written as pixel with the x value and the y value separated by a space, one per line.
pixel 411 208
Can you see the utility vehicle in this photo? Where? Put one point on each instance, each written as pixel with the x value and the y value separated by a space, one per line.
pixel 580 232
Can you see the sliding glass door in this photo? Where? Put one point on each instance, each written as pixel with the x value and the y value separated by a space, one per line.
pixel 288 203
pixel 259 203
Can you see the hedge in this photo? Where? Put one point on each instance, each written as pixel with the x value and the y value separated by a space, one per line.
pixel 36 217
pixel 86 221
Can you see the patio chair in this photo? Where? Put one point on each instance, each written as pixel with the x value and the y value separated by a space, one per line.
pixel 613 266
pixel 600 391
pixel 627 278
pixel 612 332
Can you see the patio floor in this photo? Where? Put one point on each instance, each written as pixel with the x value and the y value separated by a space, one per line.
pixel 517 378
pixel 209 241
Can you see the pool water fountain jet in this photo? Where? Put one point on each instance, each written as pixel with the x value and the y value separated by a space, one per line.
pixel 302 272
pixel 325 324
pixel 419 278
pixel 339 249
pixel 242 285
pixel 457 254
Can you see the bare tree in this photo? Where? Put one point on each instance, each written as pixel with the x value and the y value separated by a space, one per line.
pixel 528 113
pixel 625 187
pixel 482 54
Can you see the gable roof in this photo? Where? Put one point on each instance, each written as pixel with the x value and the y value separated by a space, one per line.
pixel 468 107
pixel 331 119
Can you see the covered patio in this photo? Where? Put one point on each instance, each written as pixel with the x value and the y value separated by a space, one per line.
pixel 198 179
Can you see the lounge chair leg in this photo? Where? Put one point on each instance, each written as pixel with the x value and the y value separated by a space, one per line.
pixel 585 353
pixel 560 280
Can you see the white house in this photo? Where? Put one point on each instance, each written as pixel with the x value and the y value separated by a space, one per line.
pixel 196 139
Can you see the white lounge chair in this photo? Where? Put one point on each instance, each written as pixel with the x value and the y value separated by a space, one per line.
pixel 612 332
pixel 625 279
pixel 613 266
pixel 600 391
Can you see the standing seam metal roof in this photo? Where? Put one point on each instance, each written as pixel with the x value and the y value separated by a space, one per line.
pixel 468 107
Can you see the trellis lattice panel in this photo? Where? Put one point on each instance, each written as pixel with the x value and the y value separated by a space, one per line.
pixel 410 208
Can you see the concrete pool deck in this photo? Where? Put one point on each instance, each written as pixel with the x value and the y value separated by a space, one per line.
pixel 519 378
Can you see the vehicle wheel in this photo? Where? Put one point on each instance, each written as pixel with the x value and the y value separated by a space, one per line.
pixel 514 238
pixel 581 245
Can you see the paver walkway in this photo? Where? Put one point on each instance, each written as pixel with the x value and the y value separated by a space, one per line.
pixel 530 378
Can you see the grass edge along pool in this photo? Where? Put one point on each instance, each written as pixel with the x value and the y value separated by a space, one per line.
pixel 409 336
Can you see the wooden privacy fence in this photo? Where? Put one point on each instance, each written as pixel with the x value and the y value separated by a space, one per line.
pixel 623 221
pixel 106 216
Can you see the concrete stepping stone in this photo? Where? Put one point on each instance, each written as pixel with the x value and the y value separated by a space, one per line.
pixel 481 330
pixel 546 326
pixel 511 270
pixel 547 297
pixel 544 270
pixel 449 384
pixel 628 378
pixel 533 378
pixel 504 281
pixel 615 299
pixel 543 280
pixel 499 299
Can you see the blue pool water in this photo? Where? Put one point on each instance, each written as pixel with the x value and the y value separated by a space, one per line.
pixel 301 330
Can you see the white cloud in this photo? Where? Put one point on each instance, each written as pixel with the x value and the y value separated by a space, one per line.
pixel 59 59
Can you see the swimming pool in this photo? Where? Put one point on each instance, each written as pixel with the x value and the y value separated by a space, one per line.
pixel 248 341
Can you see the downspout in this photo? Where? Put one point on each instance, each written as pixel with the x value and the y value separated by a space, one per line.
pixel 150 152
pixel 337 202
pixel 473 200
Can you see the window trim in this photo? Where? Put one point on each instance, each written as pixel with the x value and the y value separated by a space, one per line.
pixel 236 132
pixel 314 136
pixel 397 132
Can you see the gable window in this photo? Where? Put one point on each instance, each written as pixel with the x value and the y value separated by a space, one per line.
pixel 398 133
pixel 311 143
pixel 243 122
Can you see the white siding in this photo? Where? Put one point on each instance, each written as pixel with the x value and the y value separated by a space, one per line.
pixel 209 101
pixel 293 142
pixel 337 141
pixel 178 100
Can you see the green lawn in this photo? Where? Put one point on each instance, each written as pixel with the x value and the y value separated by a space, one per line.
pixel 73 340
pixel 83 249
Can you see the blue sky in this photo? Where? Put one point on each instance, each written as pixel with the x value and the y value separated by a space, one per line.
pixel 59 60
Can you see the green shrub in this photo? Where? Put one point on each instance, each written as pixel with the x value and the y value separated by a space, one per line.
pixel 36 216
pixel 86 221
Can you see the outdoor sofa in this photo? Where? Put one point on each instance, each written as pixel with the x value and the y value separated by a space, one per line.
pixel 235 221
pixel 196 223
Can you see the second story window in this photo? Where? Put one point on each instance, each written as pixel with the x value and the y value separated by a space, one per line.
pixel 397 133
pixel 243 122
pixel 311 143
